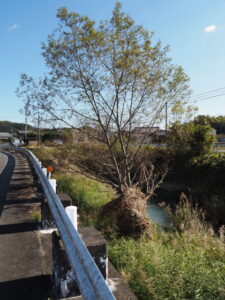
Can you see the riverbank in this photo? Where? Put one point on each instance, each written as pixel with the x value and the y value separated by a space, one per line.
pixel 186 263
pixel 183 264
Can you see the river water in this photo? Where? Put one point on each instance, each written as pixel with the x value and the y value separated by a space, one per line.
pixel 158 215
pixel 156 212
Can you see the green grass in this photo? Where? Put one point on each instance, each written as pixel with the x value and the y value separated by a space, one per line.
pixel 167 265
pixel 36 217
pixel 170 266
pixel 186 264
pixel 87 194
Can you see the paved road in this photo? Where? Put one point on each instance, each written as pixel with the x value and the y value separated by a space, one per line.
pixel 7 164
pixel 3 161
pixel 25 253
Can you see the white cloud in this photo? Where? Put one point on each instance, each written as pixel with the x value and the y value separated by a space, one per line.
pixel 210 28
pixel 13 27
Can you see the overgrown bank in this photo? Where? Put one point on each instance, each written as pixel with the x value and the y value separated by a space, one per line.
pixel 185 264
pixel 202 179
pixel 166 265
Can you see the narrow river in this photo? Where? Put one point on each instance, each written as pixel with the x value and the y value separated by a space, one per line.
pixel 158 216
pixel 156 212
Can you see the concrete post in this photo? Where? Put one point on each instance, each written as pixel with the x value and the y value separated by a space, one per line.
pixel 72 214
pixel 64 281
pixel 44 171
pixel 53 184
pixel 46 216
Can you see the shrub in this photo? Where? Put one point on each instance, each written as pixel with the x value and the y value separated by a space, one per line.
pixel 173 266
pixel 190 139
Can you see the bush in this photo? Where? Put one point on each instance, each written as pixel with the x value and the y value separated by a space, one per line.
pixel 191 139
pixel 173 266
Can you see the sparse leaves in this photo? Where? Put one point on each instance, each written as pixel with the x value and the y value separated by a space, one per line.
pixel 111 76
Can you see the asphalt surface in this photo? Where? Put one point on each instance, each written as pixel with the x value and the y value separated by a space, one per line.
pixel 25 254
pixel 7 165
pixel 3 161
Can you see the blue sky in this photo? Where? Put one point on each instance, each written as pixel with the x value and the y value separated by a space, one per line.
pixel 194 30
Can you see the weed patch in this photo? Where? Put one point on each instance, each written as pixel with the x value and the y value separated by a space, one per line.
pixel 185 264
pixel 87 194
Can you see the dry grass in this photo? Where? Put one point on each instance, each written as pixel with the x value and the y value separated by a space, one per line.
pixel 185 264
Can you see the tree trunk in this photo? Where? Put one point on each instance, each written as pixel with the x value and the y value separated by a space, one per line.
pixel 130 211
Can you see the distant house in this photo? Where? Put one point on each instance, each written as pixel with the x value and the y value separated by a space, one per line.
pixel 32 141
pixel 145 130
pixel 161 136
pixel 213 131
pixel 85 134
pixel 58 142
pixel 5 135
pixel 149 133
pixel 22 133
pixel 221 139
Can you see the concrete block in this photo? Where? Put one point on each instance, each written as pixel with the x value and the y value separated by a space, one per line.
pixel 64 282
pixel 97 246
pixel 46 216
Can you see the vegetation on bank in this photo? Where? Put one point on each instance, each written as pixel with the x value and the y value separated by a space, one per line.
pixel 87 194
pixel 92 159
pixel 202 179
pixel 199 176
pixel 172 266
pixel 185 264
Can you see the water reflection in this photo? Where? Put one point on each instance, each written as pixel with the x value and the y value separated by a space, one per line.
pixel 158 215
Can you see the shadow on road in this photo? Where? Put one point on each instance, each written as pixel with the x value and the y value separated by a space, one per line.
pixel 35 288
pixel 5 177
pixel 18 227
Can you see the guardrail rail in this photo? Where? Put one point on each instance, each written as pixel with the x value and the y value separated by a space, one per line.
pixel 90 281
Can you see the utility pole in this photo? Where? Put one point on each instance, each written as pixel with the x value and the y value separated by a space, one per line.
pixel 166 120
pixel 25 135
pixel 38 123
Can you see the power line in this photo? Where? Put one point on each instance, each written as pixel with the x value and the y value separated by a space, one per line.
pixel 206 98
pixel 207 92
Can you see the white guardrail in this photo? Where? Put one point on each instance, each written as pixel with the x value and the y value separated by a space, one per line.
pixel 90 281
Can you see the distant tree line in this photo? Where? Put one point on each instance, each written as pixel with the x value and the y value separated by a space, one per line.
pixel 217 123
pixel 7 126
